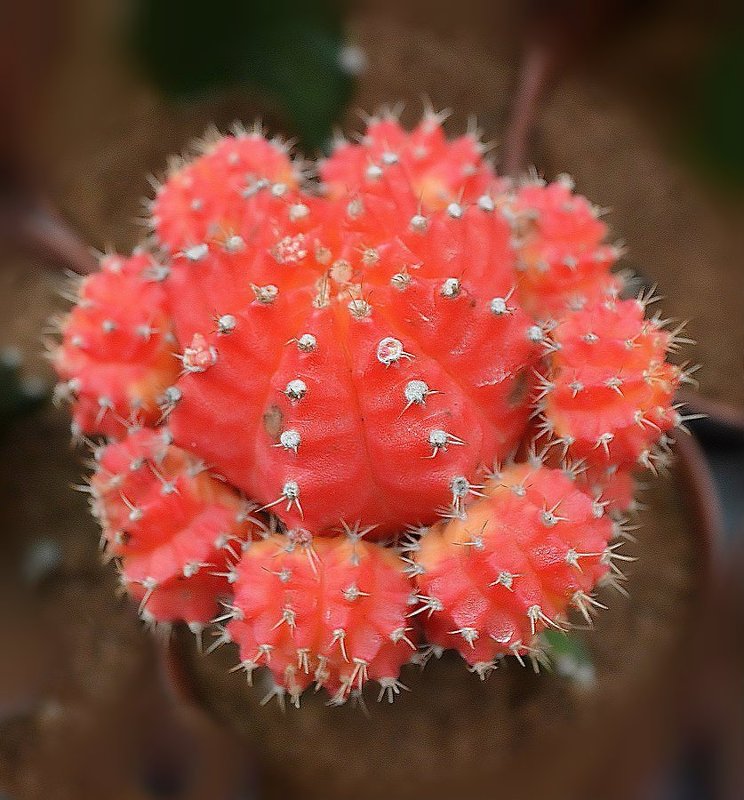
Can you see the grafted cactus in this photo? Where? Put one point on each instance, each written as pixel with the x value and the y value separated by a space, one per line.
pixel 399 407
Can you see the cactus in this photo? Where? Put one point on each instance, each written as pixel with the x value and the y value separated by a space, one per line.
pixel 563 262
pixel 511 565
pixel 607 397
pixel 172 526
pixel 331 370
pixel 329 611
pixel 439 171
pixel 405 404
pixel 212 198
pixel 115 360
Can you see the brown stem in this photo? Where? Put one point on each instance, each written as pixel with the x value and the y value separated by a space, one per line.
pixel 534 78
pixel 33 225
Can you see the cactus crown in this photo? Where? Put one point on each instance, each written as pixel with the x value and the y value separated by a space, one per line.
pixel 400 405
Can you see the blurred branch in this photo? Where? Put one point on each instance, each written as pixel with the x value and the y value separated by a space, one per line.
pixel 704 103
pixel 31 37
pixel 556 34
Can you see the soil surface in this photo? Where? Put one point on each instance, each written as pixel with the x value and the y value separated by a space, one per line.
pixel 453 735
pixel 84 705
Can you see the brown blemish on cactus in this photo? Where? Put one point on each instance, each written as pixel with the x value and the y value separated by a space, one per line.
pixel 518 394
pixel 273 421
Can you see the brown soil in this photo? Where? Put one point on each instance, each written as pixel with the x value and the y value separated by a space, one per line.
pixel 455 736
pixel 84 711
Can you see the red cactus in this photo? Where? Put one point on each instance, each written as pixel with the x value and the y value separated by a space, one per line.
pixel 351 359
pixel 439 171
pixel 511 565
pixel 327 611
pixel 116 356
pixel 562 261
pixel 217 196
pixel 174 527
pixel 343 321
pixel 607 397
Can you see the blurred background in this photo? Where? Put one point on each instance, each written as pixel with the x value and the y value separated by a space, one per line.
pixel 643 103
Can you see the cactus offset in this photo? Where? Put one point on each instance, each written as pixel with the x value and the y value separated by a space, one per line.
pixel 607 396
pixel 562 260
pixel 439 171
pixel 328 611
pixel 174 527
pixel 337 363
pixel 511 564
pixel 116 356
pixel 216 196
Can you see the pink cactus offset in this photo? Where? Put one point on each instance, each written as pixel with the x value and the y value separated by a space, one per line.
pixel 400 405
pixel 332 612
pixel 489 580
pixel 173 527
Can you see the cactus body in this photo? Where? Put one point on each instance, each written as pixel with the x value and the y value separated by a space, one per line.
pixel 611 389
pixel 116 357
pixel 331 612
pixel 403 404
pixel 512 565
pixel 172 525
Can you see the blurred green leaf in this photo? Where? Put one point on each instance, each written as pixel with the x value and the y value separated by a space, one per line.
pixel 716 125
pixel 569 657
pixel 291 49
pixel 16 395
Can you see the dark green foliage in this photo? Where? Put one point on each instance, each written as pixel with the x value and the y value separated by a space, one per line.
pixel 569 656
pixel 16 395
pixel 717 129
pixel 291 49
